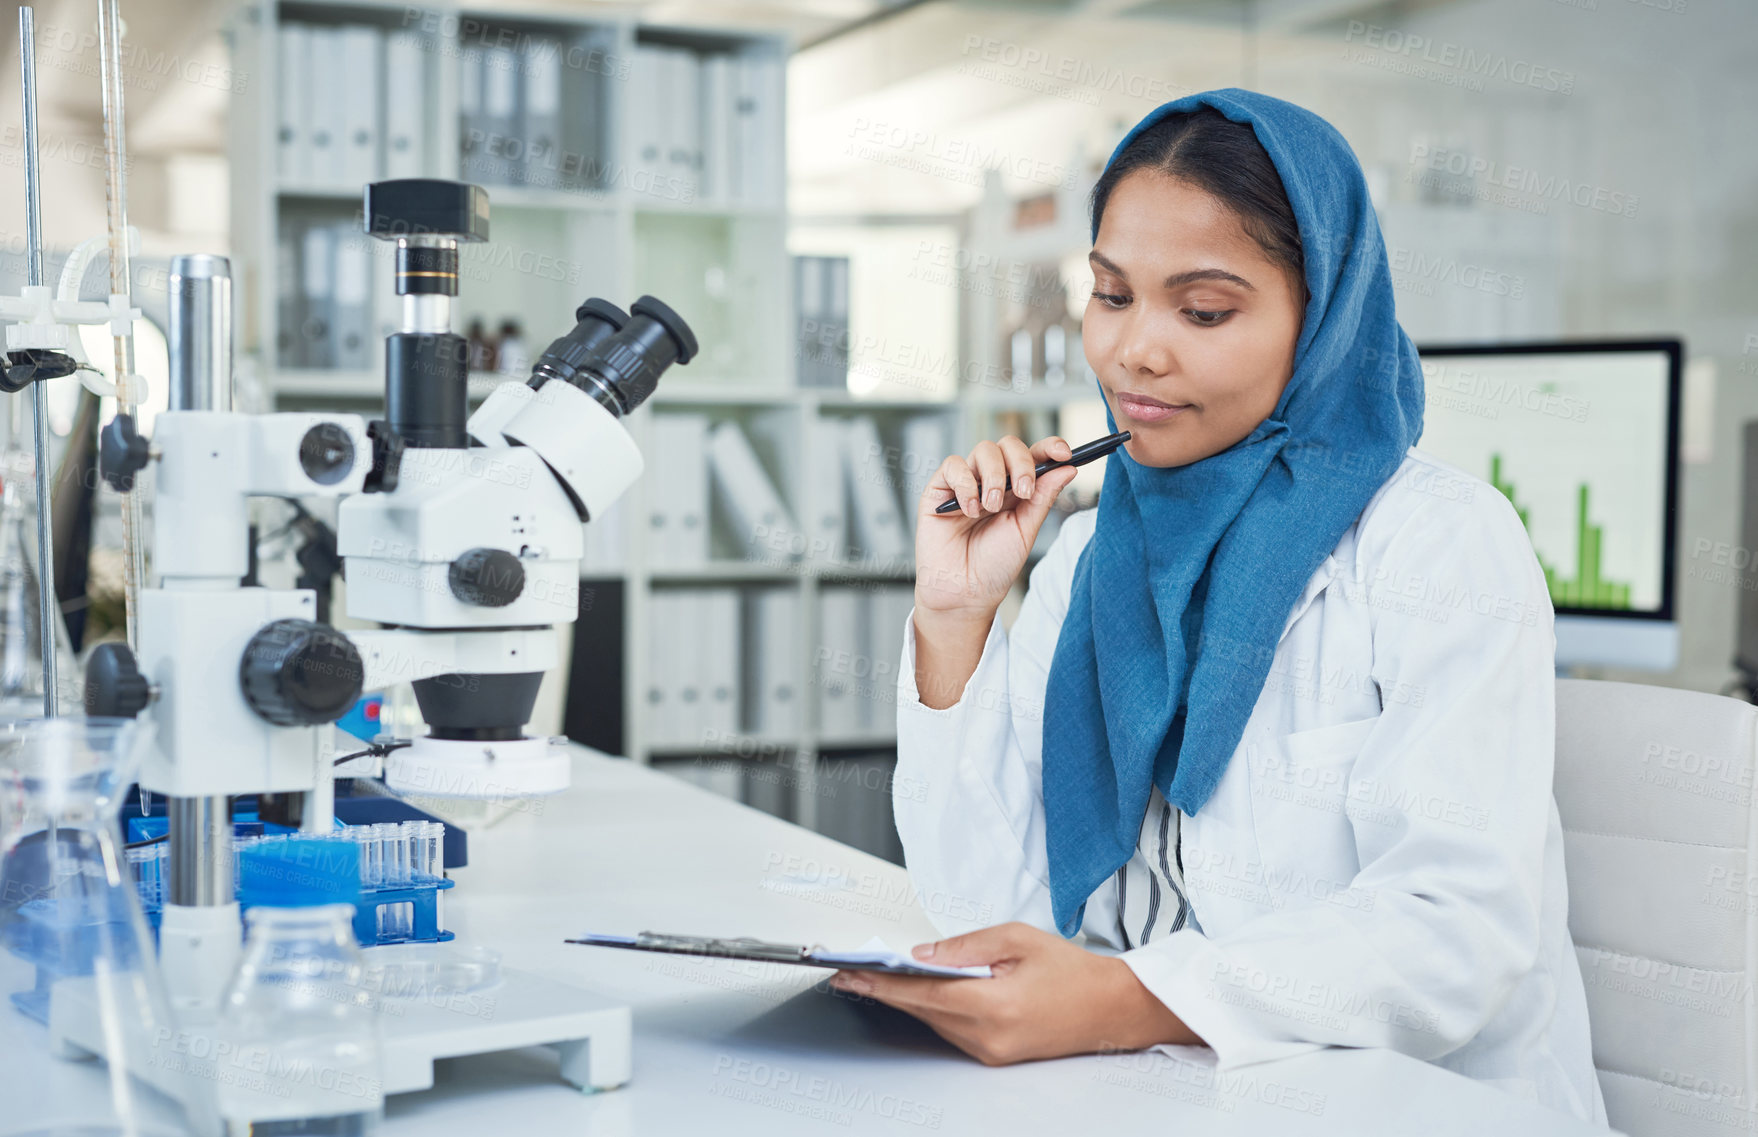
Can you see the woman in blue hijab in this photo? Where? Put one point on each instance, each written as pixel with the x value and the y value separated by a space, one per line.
pixel 1267 507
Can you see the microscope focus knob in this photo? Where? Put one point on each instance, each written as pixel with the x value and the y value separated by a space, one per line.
pixel 122 453
pixel 114 686
pixel 487 578
pixel 300 673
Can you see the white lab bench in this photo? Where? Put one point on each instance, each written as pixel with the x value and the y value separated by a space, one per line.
pixel 729 1047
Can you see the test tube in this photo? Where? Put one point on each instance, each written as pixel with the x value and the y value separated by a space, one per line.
pixel 397 870
pixel 239 844
pixel 412 835
pixel 141 861
pixel 366 836
pixel 416 832
pixel 389 874
pixel 381 837
pixel 434 847
pixel 359 834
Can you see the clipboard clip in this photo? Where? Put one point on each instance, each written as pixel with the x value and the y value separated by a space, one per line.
pixel 743 946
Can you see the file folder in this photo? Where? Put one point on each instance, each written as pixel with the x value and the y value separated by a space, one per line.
pixel 293 158
pixel 540 113
pixel 878 524
pixel 362 58
pixel 317 268
pixel 760 520
pixel 828 485
pixel 355 346
pixel 405 104
pixel 773 661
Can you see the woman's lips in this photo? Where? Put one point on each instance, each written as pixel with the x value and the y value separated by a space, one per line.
pixel 1135 408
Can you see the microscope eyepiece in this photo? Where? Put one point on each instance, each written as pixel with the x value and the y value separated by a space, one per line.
pixel 618 362
pixel 598 321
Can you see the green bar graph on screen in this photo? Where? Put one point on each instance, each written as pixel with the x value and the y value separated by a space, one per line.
pixel 1586 589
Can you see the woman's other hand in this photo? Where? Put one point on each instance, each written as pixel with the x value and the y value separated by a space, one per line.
pixel 1047 998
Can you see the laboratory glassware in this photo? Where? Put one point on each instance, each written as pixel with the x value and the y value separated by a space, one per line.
pixel 75 952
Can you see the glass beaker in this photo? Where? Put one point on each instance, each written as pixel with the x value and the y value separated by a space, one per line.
pixel 75 952
pixel 298 1016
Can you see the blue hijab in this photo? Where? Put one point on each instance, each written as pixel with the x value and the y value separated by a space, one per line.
pixel 1181 595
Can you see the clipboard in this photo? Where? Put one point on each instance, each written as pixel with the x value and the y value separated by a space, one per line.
pixel 872 956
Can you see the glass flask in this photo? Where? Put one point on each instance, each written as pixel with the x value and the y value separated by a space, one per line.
pixel 298 1022
pixel 77 968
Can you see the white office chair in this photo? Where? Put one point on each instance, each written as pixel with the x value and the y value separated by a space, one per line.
pixel 1655 788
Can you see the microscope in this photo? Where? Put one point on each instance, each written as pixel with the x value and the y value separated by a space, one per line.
pixel 469 555
pixel 461 538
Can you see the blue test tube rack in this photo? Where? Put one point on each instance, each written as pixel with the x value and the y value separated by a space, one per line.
pixel 378 915
pixel 424 901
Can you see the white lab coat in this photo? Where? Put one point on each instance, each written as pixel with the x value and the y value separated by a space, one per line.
pixel 1382 862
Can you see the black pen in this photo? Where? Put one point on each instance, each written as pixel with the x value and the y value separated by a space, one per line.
pixel 1079 457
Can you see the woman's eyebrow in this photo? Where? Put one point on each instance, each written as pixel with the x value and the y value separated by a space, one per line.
pixel 1177 279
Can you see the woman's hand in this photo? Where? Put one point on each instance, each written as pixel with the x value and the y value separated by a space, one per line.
pixel 1048 998
pixel 967 560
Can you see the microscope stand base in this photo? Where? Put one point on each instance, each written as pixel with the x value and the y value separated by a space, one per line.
pixel 590 1032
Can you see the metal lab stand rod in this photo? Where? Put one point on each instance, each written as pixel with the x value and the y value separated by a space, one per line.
pixel 199 829
pixel 33 228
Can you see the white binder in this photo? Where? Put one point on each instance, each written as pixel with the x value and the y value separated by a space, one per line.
pixel 684 102
pixel 362 56
pixel 878 524
pixel 760 95
pixel 760 520
pixel 329 115
pixel 405 102
pixel 501 160
pixel 653 530
pixel 721 688
pixel 665 124
pixel 317 269
pixel 354 342
pixel 289 299
pixel 887 609
pixel 690 665
pixel 540 114
pixel 841 665
pixel 745 158
pixel 691 462
pixel 678 467
pixel 647 91
pixel 716 121
pixel 471 139
pixel 659 702
pixel 293 141
pixel 827 533
pixel 774 663
pixel 586 81
pixel 833 365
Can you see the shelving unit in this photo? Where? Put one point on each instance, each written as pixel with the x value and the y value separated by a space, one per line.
pixel 614 232
pixel 719 262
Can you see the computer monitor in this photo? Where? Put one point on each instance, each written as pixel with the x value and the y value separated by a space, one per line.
pixel 1583 438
